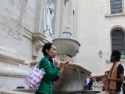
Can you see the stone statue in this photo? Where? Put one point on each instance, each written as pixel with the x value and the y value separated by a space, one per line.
pixel 48 17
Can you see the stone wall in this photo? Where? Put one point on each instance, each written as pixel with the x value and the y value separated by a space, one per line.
pixel 22 36
pixel 16 27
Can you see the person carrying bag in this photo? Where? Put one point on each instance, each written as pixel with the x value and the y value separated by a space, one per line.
pixel 52 67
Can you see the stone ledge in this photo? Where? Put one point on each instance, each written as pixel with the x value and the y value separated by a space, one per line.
pixel 25 90
pixel 79 92
pixel 11 72
pixel 9 91
pixel 114 15
pixel 39 36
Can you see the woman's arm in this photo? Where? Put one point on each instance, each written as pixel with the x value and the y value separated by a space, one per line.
pixel 56 78
pixel 57 63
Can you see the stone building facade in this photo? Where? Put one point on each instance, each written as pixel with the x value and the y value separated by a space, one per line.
pixel 25 25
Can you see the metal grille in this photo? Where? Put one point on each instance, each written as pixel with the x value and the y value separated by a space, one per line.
pixel 116 6
pixel 118 42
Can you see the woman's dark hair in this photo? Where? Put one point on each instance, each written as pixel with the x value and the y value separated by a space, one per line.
pixel 46 46
pixel 116 54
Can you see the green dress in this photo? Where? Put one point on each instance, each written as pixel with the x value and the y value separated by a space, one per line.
pixel 51 75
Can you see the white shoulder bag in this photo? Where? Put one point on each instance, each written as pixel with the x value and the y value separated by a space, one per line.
pixel 35 77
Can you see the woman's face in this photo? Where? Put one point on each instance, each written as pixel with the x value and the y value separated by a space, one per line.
pixel 52 52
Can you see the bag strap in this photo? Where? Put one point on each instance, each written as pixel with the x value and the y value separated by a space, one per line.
pixel 36 66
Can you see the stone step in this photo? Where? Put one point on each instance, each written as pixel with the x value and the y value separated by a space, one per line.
pixel 9 91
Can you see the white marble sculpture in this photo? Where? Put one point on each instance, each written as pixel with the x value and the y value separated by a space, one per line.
pixel 48 16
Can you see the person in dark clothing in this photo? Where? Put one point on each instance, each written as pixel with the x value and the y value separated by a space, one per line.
pixel 115 76
pixel 88 84
pixel 123 86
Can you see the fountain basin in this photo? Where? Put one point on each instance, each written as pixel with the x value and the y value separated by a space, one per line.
pixel 66 46
pixel 71 80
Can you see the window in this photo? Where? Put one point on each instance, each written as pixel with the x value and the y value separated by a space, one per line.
pixel 118 42
pixel 116 6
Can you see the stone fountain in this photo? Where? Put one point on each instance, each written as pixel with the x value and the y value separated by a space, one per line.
pixel 73 77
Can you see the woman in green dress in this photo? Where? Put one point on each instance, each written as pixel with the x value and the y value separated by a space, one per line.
pixel 52 69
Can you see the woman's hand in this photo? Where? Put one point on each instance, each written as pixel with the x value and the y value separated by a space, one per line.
pixel 63 66
pixel 57 62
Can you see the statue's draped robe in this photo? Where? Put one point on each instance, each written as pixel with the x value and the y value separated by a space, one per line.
pixel 48 17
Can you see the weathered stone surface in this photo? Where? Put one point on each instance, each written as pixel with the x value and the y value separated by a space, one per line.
pixel 72 79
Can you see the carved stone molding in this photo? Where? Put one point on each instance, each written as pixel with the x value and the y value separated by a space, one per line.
pixel 38 42
pixel 11 72
pixel 33 63
pixel 36 47
pixel 38 36
pixel 11 56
